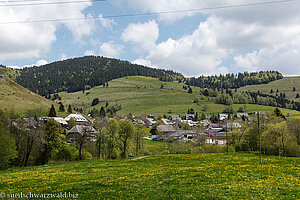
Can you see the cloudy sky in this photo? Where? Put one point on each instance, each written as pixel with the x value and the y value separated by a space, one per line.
pixel 189 36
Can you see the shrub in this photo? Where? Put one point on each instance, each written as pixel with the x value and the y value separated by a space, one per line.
pixel 95 101
pixel 64 154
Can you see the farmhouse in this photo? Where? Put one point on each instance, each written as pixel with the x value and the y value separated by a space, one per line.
pixel 162 129
pixel 79 118
pixel 80 131
pixel 61 120
pixel 189 122
pixel 182 135
pixel 215 135
pixel 166 121
pixel 223 117
pixel 176 118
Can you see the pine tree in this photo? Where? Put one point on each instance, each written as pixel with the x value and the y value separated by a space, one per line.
pixel 294 89
pixel 102 112
pixel 297 95
pixel 271 91
pixel 190 91
pixel 70 109
pixel 61 108
pixel 52 112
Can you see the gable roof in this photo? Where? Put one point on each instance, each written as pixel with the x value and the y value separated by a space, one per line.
pixel 81 128
pixel 77 117
pixel 165 128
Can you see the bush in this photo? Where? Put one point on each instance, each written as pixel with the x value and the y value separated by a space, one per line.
pixel 7 149
pixel 95 101
pixel 293 150
pixel 64 154
pixel 85 155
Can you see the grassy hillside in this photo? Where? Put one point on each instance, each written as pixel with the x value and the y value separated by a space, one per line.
pixel 284 85
pixel 194 176
pixel 14 96
pixel 142 95
pixel 9 72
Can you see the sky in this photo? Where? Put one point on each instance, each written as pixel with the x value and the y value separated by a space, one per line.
pixel 192 37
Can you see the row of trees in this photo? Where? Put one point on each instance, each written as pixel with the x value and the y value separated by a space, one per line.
pixel 234 80
pixel 119 139
pixel 279 136
pixel 229 97
pixel 26 141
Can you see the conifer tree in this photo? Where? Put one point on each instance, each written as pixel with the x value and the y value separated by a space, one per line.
pixel 61 108
pixel 70 109
pixel 52 112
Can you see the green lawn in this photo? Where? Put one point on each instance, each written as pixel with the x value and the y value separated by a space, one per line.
pixel 194 176
pixel 15 97
pixel 142 95
pixel 284 85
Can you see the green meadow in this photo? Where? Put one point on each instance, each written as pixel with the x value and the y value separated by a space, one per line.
pixel 284 85
pixel 193 176
pixel 143 95
pixel 15 97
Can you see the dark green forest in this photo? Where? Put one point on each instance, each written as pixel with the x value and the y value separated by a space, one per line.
pixel 230 81
pixel 79 73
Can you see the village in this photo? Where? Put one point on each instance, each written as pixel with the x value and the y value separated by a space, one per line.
pixel 172 128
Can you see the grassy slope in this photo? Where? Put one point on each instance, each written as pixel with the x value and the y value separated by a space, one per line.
pixel 284 85
pixel 195 176
pixel 14 96
pixel 142 95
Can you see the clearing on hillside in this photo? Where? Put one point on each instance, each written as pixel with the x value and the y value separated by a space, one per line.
pixel 284 85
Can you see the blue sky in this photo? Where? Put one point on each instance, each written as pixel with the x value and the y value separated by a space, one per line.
pixel 205 42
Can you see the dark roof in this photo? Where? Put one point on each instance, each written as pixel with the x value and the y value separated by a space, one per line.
pixel 81 128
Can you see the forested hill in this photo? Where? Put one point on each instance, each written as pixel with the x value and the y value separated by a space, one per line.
pixel 79 73
pixel 231 81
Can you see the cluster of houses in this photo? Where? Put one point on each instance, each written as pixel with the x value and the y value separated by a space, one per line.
pixel 169 129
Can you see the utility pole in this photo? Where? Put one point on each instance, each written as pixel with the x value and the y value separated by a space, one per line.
pixel 258 118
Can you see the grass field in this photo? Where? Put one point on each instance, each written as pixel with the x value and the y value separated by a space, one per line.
pixel 142 95
pixel 15 97
pixel 194 176
pixel 284 85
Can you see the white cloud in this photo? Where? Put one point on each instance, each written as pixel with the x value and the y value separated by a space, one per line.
pixel 110 49
pixel 283 57
pixel 144 62
pixel 142 35
pixel 275 13
pixel 41 62
pixel 195 54
pixel 106 23
pixel 89 53
pixel 31 40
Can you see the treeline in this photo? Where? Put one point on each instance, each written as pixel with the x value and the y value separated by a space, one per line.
pixel 229 97
pixel 79 73
pixel 29 141
pixel 279 136
pixel 234 80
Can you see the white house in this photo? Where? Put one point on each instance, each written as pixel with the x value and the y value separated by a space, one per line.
pixel 223 117
pixel 77 117
pixel 61 120
pixel 190 123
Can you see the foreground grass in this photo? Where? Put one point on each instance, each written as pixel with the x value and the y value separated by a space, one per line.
pixel 198 176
